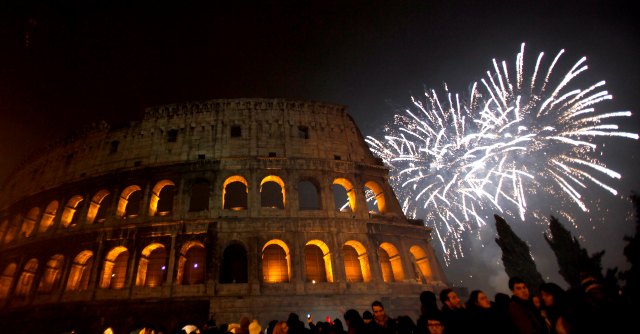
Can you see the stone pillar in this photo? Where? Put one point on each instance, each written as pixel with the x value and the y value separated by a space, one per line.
pixel 172 260
pixel 64 276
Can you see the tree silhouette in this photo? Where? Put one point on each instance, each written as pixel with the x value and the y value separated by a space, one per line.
pixel 632 253
pixel 516 256
pixel 572 259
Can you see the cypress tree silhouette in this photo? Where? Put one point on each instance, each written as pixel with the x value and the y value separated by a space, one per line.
pixel 516 256
pixel 632 253
pixel 572 259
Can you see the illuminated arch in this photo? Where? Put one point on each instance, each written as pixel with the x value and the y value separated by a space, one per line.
pixel 80 271
pixel 155 196
pixel 12 229
pixel 114 272
pixel 276 202
pixel 191 264
pixel 6 279
pixel 47 216
pixel 96 204
pixel 29 222
pixel 124 199
pixel 52 273
pixel 242 201
pixel 421 261
pixel 360 268
pixel 351 193
pixel 390 262
pixel 26 278
pixel 379 199
pixel 311 262
pixel 152 267
pixel 70 210
pixel 276 262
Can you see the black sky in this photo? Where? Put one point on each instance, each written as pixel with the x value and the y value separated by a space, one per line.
pixel 65 64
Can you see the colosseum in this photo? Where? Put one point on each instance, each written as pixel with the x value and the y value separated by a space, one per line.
pixel 207 210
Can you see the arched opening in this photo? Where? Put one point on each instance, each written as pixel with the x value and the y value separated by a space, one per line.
pixel 6 279
pixel 26 278
pixel 191 265
pixel 390 263
pixel 51 275
pixel 276 266
pixel 199 199
pixel 129 202
pixel 317 262
pixel 114 273
pixel 234 268
pixel 47 216
pixel 80 271
pixel 69 217
pixel 234 193
pixel 344 195
pixel 272 194
pixel 161 201
pixel 29 222
pixel 385 266
pixel 356 262
pixel 12 230
pixel 152 267
pixel 98 207
pixel 421 264
pixel 4 226
pixel 308 196
pixel 374 195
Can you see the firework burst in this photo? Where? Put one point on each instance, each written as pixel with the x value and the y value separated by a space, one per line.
pixel 512 137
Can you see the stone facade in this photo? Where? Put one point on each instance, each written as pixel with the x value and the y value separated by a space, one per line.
pixel 224 208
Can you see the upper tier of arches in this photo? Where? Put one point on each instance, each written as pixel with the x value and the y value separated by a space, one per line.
pixel 163 198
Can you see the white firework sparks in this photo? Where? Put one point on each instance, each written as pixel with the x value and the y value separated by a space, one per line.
pixel 512 138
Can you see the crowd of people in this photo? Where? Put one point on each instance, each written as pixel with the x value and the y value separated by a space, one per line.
pixel 552 310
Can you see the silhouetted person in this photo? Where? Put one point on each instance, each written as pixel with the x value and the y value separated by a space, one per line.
pixel 354 322
pixel 525 317
pixel 483 314
pixel 453 312
pixel 382 323
pixel 428 307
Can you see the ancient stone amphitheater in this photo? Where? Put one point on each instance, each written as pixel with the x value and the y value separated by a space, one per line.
pixel 213 209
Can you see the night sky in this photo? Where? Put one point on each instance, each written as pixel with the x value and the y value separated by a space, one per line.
pixel 68 64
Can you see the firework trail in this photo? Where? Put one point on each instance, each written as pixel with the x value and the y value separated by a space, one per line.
pixel 513 137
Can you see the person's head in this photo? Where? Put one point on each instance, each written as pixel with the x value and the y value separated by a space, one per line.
pixel 478 298
pixel 427 298
pixel 434 325
pixel 551 294
pixel 518 288
pixel 592 288
pixel 254 327
pixel 353 319
pixel 378 310
pixel 281 328
pixel 271 326
pixel 501 299
pixel 535 299
pixel 451 299
pixel 367 316
pixel 337 326
pixel 244 323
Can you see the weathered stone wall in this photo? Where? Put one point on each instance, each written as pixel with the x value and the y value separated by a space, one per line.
pixel 179 146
